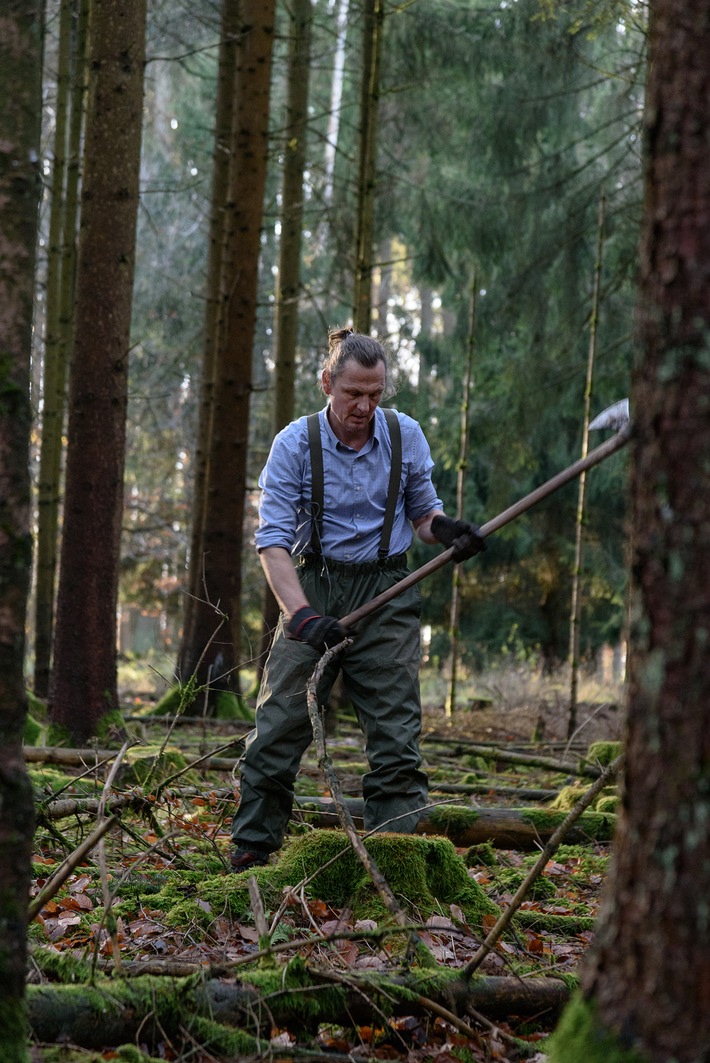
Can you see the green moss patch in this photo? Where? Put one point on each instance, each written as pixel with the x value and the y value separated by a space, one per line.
pixel 581 1037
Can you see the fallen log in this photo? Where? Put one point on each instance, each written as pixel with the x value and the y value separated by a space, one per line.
pixel 114 1011
pixel 510 756
pixel 87 758
pixel 506 828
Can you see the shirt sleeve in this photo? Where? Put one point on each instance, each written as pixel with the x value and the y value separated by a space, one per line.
pixel 282 483
pixel 420 496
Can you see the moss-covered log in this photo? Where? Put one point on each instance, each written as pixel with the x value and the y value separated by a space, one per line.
pixel 506 828
pixel 113 1011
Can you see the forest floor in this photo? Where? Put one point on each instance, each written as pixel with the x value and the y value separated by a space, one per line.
pixel 155 899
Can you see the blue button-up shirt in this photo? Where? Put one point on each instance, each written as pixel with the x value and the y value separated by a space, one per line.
pixel 355 490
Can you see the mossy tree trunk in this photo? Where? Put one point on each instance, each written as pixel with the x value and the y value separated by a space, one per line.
pixel 21 28
pixel 84 681
pixel 646 979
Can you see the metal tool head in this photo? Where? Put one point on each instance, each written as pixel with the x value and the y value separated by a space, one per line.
pixel 616 416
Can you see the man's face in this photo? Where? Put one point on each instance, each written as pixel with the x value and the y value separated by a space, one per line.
pixel 354 395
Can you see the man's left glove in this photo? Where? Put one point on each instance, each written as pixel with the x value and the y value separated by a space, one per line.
pixel 320 632
pixel 464 537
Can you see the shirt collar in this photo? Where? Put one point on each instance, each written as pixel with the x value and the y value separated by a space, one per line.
pixel 333 440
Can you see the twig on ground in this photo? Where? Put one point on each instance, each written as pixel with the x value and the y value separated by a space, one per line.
pixel 540 864
pixel 55 883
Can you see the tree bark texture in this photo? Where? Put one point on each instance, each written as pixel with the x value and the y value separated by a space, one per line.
pixel 649 972
pixel 226 80
pixel 290 246
pixel 84 685
pixel 61 271
pixel 373 16
pixel 21 28
pixel 214 654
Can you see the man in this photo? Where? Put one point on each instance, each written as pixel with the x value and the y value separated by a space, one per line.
pixel 341 492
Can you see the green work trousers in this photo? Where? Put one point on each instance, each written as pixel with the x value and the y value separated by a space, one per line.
pixel 381 677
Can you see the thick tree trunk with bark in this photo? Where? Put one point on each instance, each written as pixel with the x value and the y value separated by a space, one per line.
pixel 213 650
pixel 58 332
pixel 226 79
pixel 21 26
pixel 373 15
pixel 647 980
pixel 290 246
pixel 84 686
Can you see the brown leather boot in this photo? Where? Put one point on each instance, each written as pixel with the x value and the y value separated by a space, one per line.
pixel 243 859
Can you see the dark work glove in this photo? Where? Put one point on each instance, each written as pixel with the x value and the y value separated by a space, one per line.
pixel 464 537
pixel 320 632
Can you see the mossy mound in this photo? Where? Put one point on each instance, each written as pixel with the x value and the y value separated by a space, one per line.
pixel 186 698
pixel 568 797
pixel 603 753
pixel 425 874
pixel 510 878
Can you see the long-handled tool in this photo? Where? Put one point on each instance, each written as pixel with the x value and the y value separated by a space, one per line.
pixel 616 416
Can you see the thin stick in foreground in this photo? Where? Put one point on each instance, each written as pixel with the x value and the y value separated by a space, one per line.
pixel 555 841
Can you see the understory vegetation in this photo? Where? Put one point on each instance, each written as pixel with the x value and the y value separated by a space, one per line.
pixel 147 946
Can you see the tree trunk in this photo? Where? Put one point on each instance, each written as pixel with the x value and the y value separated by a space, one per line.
pixel 213 654
pixel 336 99
pixel 374 14
pixel 221 156
pixel 456 579
pixel 59 314
pixel 21 27
pixel 290 246
pixel 575 604
pixel 646 980
pixel 84 687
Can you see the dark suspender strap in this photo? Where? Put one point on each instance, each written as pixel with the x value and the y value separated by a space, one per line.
pixel 395 477
pixel 317 482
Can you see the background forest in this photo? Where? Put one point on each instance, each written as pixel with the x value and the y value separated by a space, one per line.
pixel 498 223
pixel 218 187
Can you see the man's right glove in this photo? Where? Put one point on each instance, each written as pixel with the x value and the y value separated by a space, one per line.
pixel 464 537
pixel 320 632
